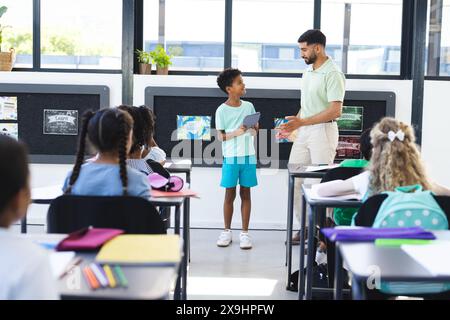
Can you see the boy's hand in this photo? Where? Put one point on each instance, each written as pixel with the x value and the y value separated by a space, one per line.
pixel 254 130
pixel 239 132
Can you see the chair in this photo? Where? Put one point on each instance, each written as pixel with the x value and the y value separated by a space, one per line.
pixel 135 215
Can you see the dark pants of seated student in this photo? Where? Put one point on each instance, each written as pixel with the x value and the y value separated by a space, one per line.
pixel 230 195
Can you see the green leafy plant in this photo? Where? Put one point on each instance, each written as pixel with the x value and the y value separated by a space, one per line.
pixel 3 9
pixel 160 57
pixel 144 56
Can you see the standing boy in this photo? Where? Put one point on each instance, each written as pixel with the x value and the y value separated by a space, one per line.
pixel 239 162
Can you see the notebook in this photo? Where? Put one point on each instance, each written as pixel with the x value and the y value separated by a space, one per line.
pixel 87 239
pixel 132 249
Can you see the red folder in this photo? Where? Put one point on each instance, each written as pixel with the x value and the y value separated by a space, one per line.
pixel 87 239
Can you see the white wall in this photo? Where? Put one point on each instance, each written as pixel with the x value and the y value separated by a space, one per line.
pixel 113 81
pixel 435 130
pixel 269 198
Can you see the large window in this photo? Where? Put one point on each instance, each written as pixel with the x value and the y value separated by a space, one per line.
pixel 265 34
pixel 438 38
pixel 17 30
pixel 82 34
pixel 191 30
pixel 364 36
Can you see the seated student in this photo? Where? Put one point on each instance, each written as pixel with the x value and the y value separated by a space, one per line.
pixel 151 150
pixel 395 162
pixel 110 132
pixel 343 216
pixel 155 153
pixel 142 131
pixel 25 267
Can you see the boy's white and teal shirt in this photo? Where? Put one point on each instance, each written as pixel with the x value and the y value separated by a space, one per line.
pixel 230 119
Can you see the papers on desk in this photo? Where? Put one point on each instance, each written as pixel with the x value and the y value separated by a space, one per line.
pixel 59 262
pixel 46 193
pixel 433 257
pixel 314 196
pixel 167 164
pixel 321 168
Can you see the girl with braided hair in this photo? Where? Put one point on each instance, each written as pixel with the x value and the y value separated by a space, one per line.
pixel 142 131
pixel 110 132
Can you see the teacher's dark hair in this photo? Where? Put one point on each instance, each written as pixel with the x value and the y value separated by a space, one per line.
pixel 226 77
pixel 13 169
pixel 313 36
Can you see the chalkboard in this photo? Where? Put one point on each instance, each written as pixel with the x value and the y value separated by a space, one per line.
pixel 168 103
pixel 49 117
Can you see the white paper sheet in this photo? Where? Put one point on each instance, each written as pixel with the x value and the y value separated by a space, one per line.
pixel 320 168
pixel 313 195
pixel 59 261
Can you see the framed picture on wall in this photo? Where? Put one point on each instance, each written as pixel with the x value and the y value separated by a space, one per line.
pixel 348 148
pixel 9 129
pixel 8 108
pixel 351 119
pixel 194 128
pixel 61 122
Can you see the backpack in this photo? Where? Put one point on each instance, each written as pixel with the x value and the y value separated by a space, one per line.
pixel 161 179
pixel 411 207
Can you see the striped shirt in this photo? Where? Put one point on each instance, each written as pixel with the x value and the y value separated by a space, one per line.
pixel 140 165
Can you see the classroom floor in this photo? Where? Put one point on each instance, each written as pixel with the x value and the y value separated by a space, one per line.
pixel 231 273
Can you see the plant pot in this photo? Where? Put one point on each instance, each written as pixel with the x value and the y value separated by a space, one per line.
pixel 162 71
pixel 145 68
pixel 7 60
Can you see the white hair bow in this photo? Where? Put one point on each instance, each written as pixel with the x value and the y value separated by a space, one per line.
pixel 400 135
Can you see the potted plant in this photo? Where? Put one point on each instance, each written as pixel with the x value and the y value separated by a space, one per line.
pixel 6 58
pixel 161 59
pixel 145 62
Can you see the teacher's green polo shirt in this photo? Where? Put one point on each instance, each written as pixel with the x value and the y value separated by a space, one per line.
pixel 320 87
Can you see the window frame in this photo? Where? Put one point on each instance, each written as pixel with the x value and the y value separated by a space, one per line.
pixel 405 59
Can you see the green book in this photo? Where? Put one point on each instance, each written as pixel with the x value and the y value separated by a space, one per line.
pixel 400 242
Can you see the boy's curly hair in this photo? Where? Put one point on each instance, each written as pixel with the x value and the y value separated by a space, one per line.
pixel 226 77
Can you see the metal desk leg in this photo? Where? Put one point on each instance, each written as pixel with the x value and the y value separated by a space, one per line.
pixel 23 225
pixel 338 276
pixel 185 250
pixel 188 204
pixel 290 214
pixel 311 248
pixel 177 293
pixel 358 289
pixel 188 218
pixel 301 274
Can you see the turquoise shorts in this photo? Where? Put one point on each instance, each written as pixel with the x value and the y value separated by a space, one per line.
pixel 242 169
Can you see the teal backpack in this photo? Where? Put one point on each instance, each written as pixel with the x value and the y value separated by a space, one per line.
pixel 411 207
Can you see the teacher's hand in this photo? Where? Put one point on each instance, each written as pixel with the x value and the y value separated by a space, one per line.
pixel 293 124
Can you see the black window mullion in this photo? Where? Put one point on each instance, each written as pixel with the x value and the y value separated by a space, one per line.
pixel 228 33
pixel 317 13
pixel 36 35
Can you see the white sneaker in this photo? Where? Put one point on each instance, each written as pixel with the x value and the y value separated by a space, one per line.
pixel 245 241
pixel 224 239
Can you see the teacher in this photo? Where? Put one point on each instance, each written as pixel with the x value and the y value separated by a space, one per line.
pixel 322 95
